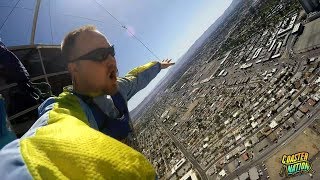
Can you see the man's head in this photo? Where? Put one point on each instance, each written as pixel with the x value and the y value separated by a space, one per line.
pixel 91 61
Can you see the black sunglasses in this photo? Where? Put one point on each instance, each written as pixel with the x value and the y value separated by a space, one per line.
pixel 97 55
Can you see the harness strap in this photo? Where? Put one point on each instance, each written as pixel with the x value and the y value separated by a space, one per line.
pixel 118 128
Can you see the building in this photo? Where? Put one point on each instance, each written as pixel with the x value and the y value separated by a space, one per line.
pixel 292 121
pixel 191 175
pixel 241 149
pixel 254 124
pixel 222 173
pixel 244 176
pixel 178 165
pixel 185 169
pixel 272 137
pixel 273 124
pixel 299 114
pixel 245 156
pixel 287 25
pixel 311 102
pixel 253 173
pixel 298 29
pixel 310 5
pixel 257 53
pixel 286 126
pixel 246 66
pixel 304 109
pixel 315 97
pixel 254 139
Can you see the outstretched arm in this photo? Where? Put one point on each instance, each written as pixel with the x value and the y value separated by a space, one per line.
pixel 140 77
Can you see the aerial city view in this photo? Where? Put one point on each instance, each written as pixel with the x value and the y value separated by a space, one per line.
pixel 244 102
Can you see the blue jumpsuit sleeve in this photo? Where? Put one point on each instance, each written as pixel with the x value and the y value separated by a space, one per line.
pixel 138 79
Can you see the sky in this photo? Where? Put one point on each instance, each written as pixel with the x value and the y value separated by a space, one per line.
pixel 167 27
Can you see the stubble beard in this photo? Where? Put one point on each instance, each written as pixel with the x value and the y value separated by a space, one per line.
pixel 113 90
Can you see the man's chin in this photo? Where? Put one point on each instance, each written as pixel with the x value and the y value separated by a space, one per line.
pixel 112 91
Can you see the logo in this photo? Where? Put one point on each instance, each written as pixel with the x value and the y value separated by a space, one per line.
pixel 295 164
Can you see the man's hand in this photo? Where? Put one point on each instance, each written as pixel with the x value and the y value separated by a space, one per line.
pixel 166 63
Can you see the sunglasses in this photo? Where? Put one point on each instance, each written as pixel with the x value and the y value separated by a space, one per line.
pixel 97 55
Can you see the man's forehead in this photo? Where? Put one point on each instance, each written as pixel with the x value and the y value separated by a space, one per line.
pixel 90 40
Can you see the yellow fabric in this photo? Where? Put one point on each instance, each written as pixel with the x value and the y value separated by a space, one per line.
pixel 137 70
pixel 67 148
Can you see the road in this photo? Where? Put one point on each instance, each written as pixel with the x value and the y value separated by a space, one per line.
pixel 189 156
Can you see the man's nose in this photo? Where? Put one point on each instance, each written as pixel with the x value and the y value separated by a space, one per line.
pixel 112 59
pixel 111 64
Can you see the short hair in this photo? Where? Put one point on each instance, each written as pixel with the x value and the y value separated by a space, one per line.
pixel 69 41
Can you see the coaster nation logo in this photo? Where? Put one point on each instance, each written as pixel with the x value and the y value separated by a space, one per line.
pixel 295 164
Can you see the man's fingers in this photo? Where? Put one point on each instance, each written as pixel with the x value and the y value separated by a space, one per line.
pixel 166 60
pixel 166 63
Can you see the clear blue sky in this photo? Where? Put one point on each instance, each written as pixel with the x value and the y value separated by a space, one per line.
pixel 168 27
